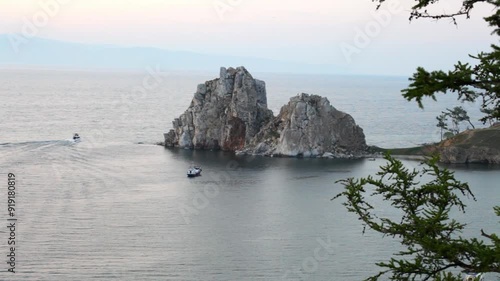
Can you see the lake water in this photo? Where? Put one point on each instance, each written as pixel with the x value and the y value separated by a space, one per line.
pixel 117 207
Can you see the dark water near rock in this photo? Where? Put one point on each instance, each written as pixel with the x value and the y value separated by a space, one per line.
pixel 111 209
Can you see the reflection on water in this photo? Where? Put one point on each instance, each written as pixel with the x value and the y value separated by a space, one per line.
pixel 128 212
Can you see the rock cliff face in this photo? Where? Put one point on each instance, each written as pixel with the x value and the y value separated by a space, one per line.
pixel 309 126
pixel 224 114
pixel 230 113
pixel 472 146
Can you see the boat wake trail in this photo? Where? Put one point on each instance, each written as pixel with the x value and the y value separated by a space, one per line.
pixel 24 152
pixel 38 143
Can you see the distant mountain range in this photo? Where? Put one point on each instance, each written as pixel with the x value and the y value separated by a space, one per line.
pixel 52 53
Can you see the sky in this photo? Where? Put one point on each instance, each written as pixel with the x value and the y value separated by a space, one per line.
pixel 350 34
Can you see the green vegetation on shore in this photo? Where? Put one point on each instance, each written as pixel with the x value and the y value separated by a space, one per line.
pixel 432 241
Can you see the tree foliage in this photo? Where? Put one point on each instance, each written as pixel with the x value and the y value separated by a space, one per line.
pixel 431 239
pixel 471 82
pixel 442 123
pixel 457 115
pixel 432 243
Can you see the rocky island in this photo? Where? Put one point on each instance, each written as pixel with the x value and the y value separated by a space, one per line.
pixel 230 113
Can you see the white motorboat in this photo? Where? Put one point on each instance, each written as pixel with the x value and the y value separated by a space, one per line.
pixel 194 171
pixel 469 276
pixel 76 137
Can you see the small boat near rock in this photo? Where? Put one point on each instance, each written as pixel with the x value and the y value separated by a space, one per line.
pixel 470 276
pixel 194 172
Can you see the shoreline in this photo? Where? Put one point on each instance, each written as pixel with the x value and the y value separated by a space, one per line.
pixel 477 146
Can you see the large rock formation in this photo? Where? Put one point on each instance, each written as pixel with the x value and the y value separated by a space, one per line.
pixel 224 114
pixel 309 126
pixel 230 113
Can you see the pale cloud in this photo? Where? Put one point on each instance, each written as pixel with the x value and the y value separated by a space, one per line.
pixel 295 30
pixel 150 11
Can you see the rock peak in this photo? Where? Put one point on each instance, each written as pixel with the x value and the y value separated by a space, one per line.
pixel 224 114
pixel 309 126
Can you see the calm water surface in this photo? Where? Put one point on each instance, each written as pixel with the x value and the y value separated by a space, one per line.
pixel 109 208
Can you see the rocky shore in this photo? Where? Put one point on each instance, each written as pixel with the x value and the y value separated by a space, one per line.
pixel 478 146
